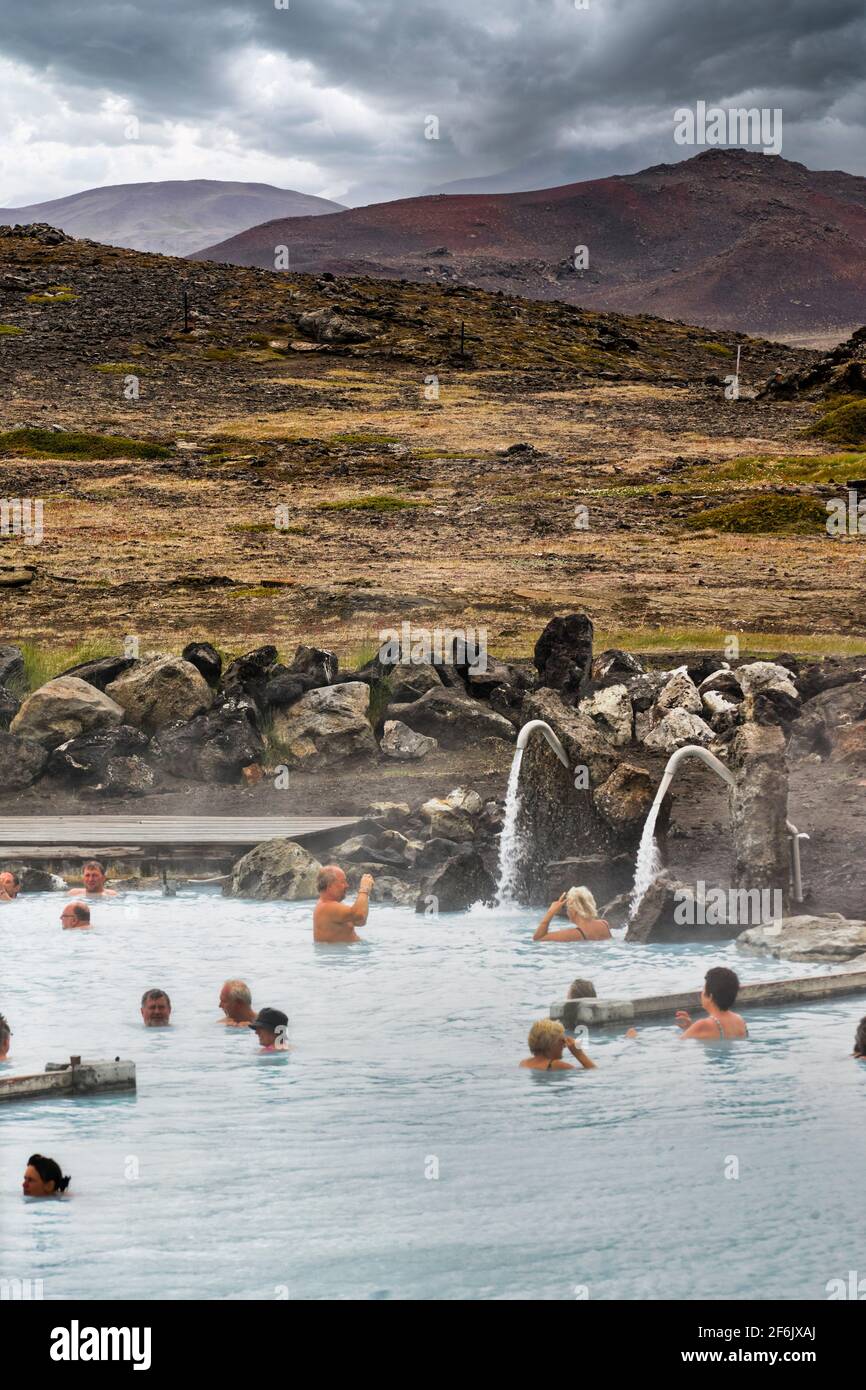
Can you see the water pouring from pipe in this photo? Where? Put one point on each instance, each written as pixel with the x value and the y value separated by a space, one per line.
pixel 510 845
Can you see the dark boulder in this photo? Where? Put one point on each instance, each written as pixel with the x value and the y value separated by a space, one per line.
pixel 103 671
pixel 22 761
pixel 458 883
pixel 433 853
pixel 453 719
pixel 563 653
pixel 285 688
pixel 613 664
pixel 206 660
pixel 123 776
pixel 212 747
pixel 320 666
pixel 85 759
pixel 9 707
pixel 11 667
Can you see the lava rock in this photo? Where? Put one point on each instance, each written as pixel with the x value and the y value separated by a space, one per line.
pixel 403 744
pixel 161 690
pixel 212 747
pixel 11 666
pixel 563 653
pixel 206 660
pixel 9 707
pixel 64 708
pixel 453 719
pixel 22 760
pixel 102 672
pixel 458 884
pixel 86 757
pixel 327 725
pixel 277 870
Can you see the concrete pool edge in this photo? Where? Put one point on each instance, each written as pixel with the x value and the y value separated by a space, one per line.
pixel 801 990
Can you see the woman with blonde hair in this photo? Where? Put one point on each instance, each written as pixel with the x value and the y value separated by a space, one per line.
pixel 547 1042
pixel 579 905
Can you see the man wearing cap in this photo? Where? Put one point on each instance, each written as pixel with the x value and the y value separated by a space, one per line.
pixel 333 920
pixel 270 1029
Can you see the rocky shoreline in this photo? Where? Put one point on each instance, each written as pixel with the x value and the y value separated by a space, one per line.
pixel 132 730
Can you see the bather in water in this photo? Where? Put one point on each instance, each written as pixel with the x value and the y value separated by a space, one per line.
pixel 580 908
pixel 43 1178
pixel 547 1042
pixel 721 987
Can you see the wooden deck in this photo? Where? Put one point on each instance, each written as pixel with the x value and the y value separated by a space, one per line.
pixel 71 835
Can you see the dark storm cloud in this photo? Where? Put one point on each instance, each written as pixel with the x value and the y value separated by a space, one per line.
pixel 536 86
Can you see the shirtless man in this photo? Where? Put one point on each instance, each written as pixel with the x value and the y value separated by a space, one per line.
pixel 333 920
pixel 93 875
pixel 236 1003
pixel 75 915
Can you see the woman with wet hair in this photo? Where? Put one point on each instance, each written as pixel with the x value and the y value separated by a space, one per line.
pixel 860 1040
pixel 720 990
pixel 547 1042
pixel 580 908
pixel 43 1178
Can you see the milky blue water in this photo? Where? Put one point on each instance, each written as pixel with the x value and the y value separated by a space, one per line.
pixel 235 1176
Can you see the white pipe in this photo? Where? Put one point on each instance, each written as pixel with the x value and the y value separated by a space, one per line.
pixel 693 750
pixel 545 729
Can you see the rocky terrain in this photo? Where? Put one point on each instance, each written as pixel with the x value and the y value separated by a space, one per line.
pixel 167 732
pixel 732 238
pixel 315 459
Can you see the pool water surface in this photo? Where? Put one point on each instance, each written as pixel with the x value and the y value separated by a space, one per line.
pixel 398 1151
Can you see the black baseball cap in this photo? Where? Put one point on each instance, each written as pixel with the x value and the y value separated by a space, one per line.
pixel 271 1019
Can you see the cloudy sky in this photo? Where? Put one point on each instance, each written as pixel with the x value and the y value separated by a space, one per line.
pixel 333 96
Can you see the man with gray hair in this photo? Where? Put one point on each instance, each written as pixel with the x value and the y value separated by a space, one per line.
pixel 334 921
pixel 236 1003
pixel 155 1008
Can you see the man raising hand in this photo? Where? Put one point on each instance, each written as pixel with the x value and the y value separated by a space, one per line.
pixel 333 920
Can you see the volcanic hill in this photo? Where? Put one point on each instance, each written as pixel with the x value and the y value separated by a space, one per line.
pixel 731 239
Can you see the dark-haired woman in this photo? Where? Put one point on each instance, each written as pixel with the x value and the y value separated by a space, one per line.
pixel 720 990
pixel 860 1041
pixel 43 1178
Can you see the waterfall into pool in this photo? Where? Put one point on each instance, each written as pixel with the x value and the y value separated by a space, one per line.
pixel 648 863
pixel 509 840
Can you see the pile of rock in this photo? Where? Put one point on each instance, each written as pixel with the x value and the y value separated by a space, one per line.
pixel 438 857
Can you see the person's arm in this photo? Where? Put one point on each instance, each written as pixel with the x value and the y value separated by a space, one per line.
pixel 361 906
pixel 579 1054
pixel 541 929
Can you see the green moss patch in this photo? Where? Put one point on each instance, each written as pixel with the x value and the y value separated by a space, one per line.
pixel 784 516
pixel 10 328
pixel 71 444
pixel 379 502
pixel 378 441
pixel 845 424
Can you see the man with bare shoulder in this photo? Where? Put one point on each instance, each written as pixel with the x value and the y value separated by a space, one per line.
pixel 93 877
pixel 236 1002
pixel 334 921
pixel 10 886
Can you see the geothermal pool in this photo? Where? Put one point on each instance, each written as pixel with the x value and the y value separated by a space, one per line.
pixel 237 1176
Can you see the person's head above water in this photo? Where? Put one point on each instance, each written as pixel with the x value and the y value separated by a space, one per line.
pixel 155 1008
pixel 860 1039
pixel 43 1178
pixel 93 876
pixel 5 1035
pixel 721 987
pixel 579 902
pixel 332 884
pixel 236 1001
pixel 547 1039
pixel 270 1027
pixel 75 915
pixel 582 989
pixel 10 884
